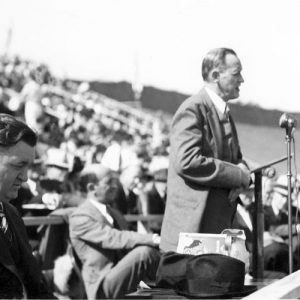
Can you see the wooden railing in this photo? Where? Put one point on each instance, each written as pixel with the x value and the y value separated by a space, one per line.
pixel 59 220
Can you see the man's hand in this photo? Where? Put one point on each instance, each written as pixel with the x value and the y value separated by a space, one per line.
pixel 246 175
pixel 233 195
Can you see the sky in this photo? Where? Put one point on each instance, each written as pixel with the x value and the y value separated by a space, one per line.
pixel 161 43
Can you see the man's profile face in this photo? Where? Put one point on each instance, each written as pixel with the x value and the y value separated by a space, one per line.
pixel 230 78
pixel 106 190
pixel 14 164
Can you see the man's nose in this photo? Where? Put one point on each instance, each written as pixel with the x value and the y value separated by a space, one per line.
pixel 24 175
pixel 241 79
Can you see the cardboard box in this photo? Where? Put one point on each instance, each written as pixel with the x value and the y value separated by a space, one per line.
pixel 200 243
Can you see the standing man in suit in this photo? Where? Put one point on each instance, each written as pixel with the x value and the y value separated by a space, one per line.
pixel 206 170
pixel 20 276
pixel 114 260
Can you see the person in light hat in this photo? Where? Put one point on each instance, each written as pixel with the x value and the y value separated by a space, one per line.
pixel 276 228
pixel 276 213
pixel 281 187
pixel 152 198
pixel 275 246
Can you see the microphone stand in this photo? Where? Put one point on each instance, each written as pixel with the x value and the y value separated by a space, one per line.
pixel 288 137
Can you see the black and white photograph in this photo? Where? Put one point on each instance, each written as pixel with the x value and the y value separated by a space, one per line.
pixel 149 149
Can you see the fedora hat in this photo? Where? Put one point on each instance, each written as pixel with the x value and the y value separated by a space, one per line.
pixel 57 158
pixel 203 276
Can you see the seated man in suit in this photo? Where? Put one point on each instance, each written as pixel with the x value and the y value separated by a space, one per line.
pixel 152 198
pixel 20 276
pixel 114 260
pixel 277 228
pixel 275 247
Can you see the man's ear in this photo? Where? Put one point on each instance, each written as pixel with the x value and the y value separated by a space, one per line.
pixel 90 187
pixel 215 74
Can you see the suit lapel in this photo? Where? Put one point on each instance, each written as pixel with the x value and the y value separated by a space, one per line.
pixel 93 211
pixel 235 141
pixel 5 256
pixel 119 220
pixel 214 123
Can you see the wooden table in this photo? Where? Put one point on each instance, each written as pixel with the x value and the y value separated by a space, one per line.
pixel 159 293
pixel 285 288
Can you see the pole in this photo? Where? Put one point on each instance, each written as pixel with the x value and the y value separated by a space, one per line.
pixel 258 229
pixel 289 180
pixel 288 122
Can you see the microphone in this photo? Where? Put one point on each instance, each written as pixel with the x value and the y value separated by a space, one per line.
pixel 287 121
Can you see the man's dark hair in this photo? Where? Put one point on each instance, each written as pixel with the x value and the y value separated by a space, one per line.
pixel 213 59
pixel 13 130
pixel 85 179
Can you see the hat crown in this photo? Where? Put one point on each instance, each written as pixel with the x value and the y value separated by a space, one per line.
pixel 202 276
pixel 214 273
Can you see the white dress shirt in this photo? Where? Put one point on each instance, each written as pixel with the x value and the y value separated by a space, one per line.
pixel 244 213
pixel 218 102
pixel 103 210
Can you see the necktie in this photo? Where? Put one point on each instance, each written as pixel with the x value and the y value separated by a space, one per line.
pixel 108 215
pixel 227 111
pixel 4 224
pixel 112 215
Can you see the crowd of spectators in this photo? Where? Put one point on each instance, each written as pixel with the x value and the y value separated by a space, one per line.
pixel 78 127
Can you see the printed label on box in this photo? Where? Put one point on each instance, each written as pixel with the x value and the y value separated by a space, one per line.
pixel 201 243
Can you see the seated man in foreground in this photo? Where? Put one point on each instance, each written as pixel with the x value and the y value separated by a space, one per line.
pixel 20 276
pixel 114 260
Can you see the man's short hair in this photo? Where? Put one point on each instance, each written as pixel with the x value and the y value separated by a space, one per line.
pixel 92 174
pixel 13 130
pixel 213 59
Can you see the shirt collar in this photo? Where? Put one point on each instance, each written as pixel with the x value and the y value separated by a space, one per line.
pixel 218 102
pixel 103 210
pixel 244 213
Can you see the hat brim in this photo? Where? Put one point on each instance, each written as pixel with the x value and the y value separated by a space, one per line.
pixel 57 165
pixel 247 289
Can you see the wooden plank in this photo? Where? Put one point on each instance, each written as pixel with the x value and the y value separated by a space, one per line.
pixel 45 220
pixel 285 288
pixel 58 220
pixel 146 218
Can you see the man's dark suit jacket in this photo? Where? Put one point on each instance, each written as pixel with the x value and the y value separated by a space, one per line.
pixel 199 180
pixel 156 204
pixel 31 280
